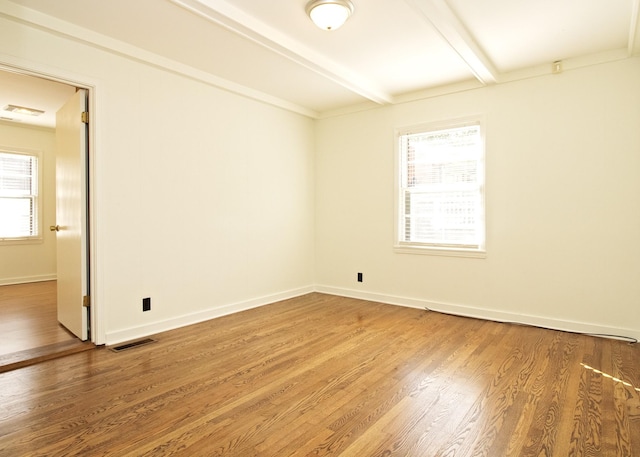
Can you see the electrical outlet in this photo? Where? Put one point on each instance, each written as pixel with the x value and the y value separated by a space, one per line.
pixel 146 304
pixel 359 277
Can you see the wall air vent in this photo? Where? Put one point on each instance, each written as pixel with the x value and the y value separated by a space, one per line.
pixel 132 344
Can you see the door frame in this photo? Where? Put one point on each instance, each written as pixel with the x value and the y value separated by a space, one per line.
pixel 19 66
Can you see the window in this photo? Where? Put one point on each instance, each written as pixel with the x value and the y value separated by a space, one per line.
pixel 19 203
pixel 441 189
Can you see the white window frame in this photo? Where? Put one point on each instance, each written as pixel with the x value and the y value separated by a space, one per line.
pixel 403 246
pixel 37 198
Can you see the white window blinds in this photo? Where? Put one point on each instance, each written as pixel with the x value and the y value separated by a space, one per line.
pixel 18 195
pixel 441 191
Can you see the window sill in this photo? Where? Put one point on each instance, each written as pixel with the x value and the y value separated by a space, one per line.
pixel 445 252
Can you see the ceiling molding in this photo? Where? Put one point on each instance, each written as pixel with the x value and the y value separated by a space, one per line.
pixel 536 71
pixel 429 16
pixel 634 28
pixel 570 64
pixel 51 24
pixel 237 21
pixel 450 27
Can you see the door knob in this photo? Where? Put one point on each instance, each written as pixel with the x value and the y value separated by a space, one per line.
pixel 54 228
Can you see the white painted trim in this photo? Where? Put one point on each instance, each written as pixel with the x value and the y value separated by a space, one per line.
pixel 456 35
pixel 503 78
pixel 408 247
pixel 222 13
pixel 440 15
pixel 567 65
pixel 153 328
pixel 81 35
pixel 39 155
pixel 487 314
pixel 23 66
pixel 27 279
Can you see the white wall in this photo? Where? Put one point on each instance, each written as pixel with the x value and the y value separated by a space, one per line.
pixel 34 261
pixel 209 202
pixel 204 199
pixel 563 204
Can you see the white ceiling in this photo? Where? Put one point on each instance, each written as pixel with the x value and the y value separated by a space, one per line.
pixel 389 50
pixel 30 92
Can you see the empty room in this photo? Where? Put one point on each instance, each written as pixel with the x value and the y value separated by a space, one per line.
pixel 410 232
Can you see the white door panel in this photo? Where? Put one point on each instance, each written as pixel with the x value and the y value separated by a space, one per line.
pixel 71 214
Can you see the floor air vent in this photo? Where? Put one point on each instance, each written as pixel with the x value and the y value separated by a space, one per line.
pixel 132 344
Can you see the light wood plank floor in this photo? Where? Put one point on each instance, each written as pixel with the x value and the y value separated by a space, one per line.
pixel 29 328
pixel 322 375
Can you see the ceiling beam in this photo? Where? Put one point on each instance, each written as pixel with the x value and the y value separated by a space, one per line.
pixel 448 24
pixel 79 34
pixel 237 21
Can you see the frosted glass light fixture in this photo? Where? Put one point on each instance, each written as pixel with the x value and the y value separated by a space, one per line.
pixel 329 14
pixel 23 110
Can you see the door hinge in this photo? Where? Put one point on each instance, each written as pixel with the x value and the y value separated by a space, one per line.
pixel 86 301
pixel 85 117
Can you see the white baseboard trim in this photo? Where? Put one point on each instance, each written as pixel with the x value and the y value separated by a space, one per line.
pixel 146 330
pixel 27 279
pixel 489 314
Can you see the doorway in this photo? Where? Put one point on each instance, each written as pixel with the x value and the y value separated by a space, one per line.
pixel 28 298
pixel 29 328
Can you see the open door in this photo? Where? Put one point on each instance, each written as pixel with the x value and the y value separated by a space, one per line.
pixel 72 215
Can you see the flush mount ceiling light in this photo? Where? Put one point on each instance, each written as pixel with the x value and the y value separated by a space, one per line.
pixel 23 110
pixel 329 14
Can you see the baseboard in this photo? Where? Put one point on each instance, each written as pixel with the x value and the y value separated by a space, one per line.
pixel 146 330
pixel 27 279
pixel 489 314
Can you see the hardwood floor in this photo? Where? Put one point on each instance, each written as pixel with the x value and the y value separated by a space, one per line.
pixel 322 375
pixel 29 329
